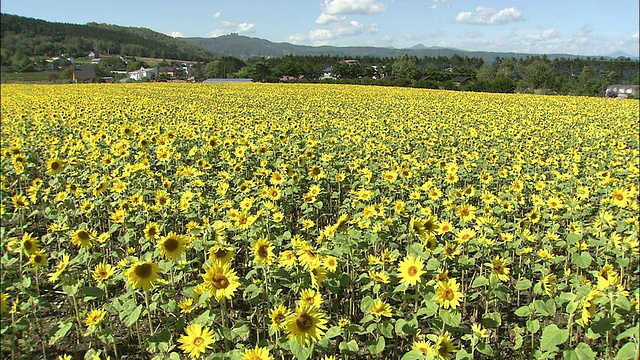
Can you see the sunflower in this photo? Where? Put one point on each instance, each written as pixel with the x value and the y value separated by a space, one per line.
pixel 29 244
pixel 221 280
pixel 447 294
pixel 444 347
pixel 379 277
pixel 318 275
pixel 4 303
pixel 162 199
pixel 287 259
pixel 310 297
pixel 95 317
pixel 19 202
pixel 380 308
pixel 410 269
pixel 479 331
pixel 221 253
pixel 620 197
pixel 102 272
pixel 466 212
pixel 186 306
pixel 278 317
pixel 607 276
pixel 316 172
pixel 152 230
pixel 308 256
pixel 416 226
pixel 142 274
pixel 196 341
pixel 307 326
pixel 83 237
pixel 589 306
pixel 499 268
pixel 38 259
pixel 60 267
pixel 54 166
pixel 263 251
pixel 330 263
pixel 172 245
pixel 450 250
pixel 257 353
pixel 426 347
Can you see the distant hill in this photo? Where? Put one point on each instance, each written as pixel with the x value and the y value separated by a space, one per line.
pixel 27 37
pixel 244 47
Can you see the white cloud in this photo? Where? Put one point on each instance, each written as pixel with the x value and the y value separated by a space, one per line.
pixel 636 35
pixel 230 27
pixel 177 34
pixel 433 4
pixel 489 16
pixel 216 15
pixel 334 31
pixel 353 6
pixel 327 18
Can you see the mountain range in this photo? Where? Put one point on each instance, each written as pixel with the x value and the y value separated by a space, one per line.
pixel 244 47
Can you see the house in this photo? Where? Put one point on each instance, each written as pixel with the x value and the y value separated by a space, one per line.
pixel 460 80
pixel 326 73
pixel 289 77
pixel 92 55
pixel 350 62
pixel 142 73
pixel 622 91
pixel 168 70
pixel 83 73
pixel 96 61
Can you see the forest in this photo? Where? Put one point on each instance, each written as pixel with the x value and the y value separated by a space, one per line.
pixel 28 43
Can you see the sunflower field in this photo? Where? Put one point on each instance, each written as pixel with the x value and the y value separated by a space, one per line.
pixel 268 221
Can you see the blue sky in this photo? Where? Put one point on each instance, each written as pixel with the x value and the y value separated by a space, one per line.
pixel 581 27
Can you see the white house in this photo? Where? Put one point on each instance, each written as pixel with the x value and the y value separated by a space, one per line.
pixel 149 73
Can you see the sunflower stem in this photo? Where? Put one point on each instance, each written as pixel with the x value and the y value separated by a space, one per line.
pixel 146 301
pixel 223 318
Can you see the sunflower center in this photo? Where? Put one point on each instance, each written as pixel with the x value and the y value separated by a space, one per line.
pixel 83 235
pixel 464 212
pixel 143 271
pixel 220 281
pixel 278 319
pixel 263 251
pixel 28 245
pixel 171 244
pixel 37 259
pixel 412 270
pixel 304 322
pixel 448 294
pixel 198 341
pixel 55 165
pixel 315 171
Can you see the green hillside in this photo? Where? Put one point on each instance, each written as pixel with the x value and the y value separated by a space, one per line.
pixel 24 39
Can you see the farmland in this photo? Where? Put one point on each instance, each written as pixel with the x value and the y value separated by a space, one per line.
pixel 317 222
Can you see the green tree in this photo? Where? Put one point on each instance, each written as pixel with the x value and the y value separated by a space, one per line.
pixel 405 67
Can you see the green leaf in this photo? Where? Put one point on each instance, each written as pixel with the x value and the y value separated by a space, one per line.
pixel 523 284
pixel 523 311
pixel 350 347
pixel 533 325
pixel 628 351
pixel 376 347
pixel 414 355
pixel 629 332
pixel 582 260
pixel 553 336
pixel 485 349
pixel 333 332
pixel 299 352
pixel 61 331
pixel 91 293
pixel 451 318
pixel 480 281
pixel 623 303
pixel 462 354
pixel 133 316
pixel 492 320
pixel 603 325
